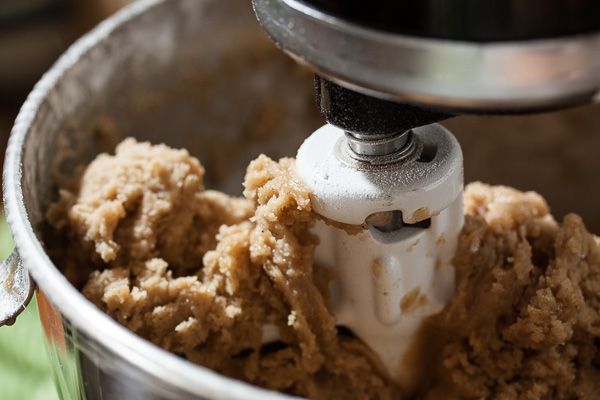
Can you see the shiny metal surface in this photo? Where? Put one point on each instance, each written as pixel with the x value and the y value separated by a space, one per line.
pixel 360 148
pixel 462 76
pixel 166 71
pixel 16 289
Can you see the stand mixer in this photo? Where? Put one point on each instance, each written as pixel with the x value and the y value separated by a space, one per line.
pixel 386 71
pixel 397 173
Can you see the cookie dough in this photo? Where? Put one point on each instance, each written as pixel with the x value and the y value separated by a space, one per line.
pixel 525 320
pixel 202 274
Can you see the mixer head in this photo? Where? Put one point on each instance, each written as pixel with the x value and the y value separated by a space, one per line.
pixel 496 56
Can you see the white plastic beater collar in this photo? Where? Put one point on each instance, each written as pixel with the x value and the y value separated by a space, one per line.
pixel 345 194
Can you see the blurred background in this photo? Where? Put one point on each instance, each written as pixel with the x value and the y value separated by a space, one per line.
pixel 556 154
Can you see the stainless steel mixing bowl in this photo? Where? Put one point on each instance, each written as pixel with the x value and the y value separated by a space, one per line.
pixel 198 74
